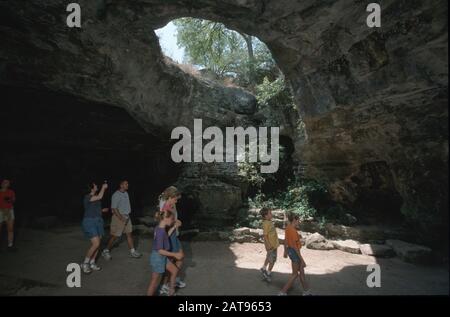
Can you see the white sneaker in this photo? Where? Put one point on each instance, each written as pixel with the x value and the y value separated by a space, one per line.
pixel 95 267
pixel 86 268
pixel 164 290
pixel 307 293
pixel 268 277
pixel 180 284
pixel 135 254
pixel 282 294
pixel 106 255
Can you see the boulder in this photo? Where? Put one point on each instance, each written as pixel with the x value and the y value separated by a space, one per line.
pixel 310 226
pixel 241 231
pixel 410 252
pixel 350 246
pixel 349 219
pixel 244 238
pixel 217 202
pixel 316 241
pixel 279 223
pixel 377 250
pixel 257 233
pixel 278 214
pixel 359 233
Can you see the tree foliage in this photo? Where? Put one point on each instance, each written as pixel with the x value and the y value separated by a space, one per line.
pixel 224 52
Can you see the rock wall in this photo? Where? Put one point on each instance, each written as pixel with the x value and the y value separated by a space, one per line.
pixel 368 97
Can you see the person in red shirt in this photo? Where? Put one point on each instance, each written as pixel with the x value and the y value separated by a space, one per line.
pixel 7 199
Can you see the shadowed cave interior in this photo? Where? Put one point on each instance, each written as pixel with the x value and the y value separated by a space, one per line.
pixel 56 143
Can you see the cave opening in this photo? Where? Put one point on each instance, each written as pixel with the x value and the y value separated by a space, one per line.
pixel 212 52
pixel 54 144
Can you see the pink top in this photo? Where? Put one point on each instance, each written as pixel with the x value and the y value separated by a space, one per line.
pixel 167 207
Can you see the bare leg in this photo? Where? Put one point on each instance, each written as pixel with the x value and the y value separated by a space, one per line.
pixel 173 271
pixel 92 251
pixel 154 282
pixel 266 262
pixel 302 276
pixel 179 265
pixel 294 275
pixel 130 240
pixel 111 242
pixel 166 277
pixel 271 266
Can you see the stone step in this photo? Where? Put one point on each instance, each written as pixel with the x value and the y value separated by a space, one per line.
pixel 410 252
pixel 377 250
pixel 350 246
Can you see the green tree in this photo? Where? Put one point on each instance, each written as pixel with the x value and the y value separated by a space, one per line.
pixel 223 51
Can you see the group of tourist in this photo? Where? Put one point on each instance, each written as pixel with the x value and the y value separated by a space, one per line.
pixel 167 255
pixel 166 259
pixel 93 226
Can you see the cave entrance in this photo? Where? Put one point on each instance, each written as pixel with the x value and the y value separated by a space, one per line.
pixel 210 51
pixel 54 144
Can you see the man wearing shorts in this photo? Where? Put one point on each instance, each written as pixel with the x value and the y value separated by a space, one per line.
pixel 7 199
pixel 120 221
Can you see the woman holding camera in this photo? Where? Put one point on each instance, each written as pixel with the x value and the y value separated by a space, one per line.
pixel 93 224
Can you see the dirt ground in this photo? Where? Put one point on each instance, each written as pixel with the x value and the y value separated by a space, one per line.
pixel 211 268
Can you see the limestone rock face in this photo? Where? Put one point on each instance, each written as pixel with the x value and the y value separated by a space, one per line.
pixel 410 252
pixel 216 200
pixel 350 246
pixel 373 101
pixel 377 250
pixel 318 242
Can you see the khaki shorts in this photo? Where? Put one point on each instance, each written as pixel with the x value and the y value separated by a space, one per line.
pixel 6 215
pixel 117 226
pixel 271 256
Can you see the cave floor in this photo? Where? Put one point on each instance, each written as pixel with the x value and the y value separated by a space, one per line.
pixel 211 268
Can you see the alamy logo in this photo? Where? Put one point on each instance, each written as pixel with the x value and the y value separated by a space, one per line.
pixel 235 148
pixel 74 18
pixel 74 277
pixel 374 278
pixel 374 18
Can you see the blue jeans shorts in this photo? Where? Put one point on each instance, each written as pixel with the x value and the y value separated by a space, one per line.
pixel 293 255
pixel 92 227
pixel 158 262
